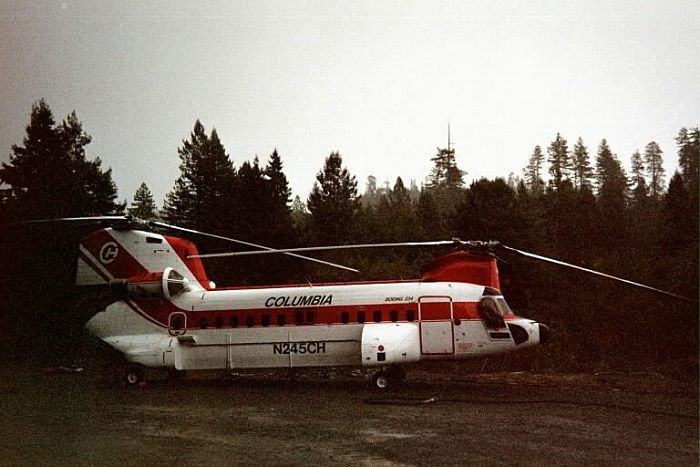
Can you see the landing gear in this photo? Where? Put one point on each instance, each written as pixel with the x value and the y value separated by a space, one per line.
pixel 133 375
pixel 381 380
pixel 385 378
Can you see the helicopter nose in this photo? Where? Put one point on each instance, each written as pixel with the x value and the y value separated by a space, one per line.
pixel 545 333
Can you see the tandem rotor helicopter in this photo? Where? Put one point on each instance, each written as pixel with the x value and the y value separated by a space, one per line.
pixel 166 313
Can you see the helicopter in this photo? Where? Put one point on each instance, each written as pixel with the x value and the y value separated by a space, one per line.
pixel 166 313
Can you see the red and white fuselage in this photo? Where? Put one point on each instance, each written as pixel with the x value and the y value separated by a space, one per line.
pixel 171 315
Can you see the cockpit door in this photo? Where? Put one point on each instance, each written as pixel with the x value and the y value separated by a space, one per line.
pixel 436 326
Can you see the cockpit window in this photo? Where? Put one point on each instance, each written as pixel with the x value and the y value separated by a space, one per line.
pixel 503 306
pixel 490 312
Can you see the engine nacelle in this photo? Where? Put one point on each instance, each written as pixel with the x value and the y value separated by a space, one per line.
pixel 390 343
pixel 166 284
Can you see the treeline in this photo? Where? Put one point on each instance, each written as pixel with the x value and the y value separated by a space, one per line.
pixel 588 211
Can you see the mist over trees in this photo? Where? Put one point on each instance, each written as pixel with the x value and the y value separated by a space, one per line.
pixel 576 204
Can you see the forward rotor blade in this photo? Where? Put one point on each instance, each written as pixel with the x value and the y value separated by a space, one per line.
pixel 264 249
pixel 330 248
pixel 597 273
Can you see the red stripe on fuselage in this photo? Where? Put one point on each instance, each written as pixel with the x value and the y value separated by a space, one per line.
pixel 90 263
pixel 158 311
pixel 112 255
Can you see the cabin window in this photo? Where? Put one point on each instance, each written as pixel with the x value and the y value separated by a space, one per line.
pixel 203 322
pixel 299 317
pixel 345 317
pixel 250 321
pixel 394 315
pixel 281 320
pixel 219 322
pixel 377 316
pixel 234 321
pixel 310 316
pixel 360 316
pixel 265 320
pixel 410 315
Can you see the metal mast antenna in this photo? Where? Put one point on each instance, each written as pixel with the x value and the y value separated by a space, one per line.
pixel 449 140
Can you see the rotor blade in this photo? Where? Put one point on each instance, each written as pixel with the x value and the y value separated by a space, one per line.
pixel 265 249
pixel 77 219
pixel 331 248
pixel 597 273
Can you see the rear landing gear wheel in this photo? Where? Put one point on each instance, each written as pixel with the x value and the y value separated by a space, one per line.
pixel 133 376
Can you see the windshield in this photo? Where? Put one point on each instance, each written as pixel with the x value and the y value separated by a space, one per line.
pixel 503 306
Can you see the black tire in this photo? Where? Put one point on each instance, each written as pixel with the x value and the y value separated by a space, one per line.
pixel 133 376
pixel 381 380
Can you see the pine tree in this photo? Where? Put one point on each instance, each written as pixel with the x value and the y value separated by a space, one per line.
pixel 609 174
pixel 252 205
pixel 299 214
pixel 333 202
pixel 654 165
pixel 370 196
pixel 143 206
pixel 679 229
pixel 202 192
pixel 446 182
pixel 559 162
pixel 612 194
pixel 689 162
pixel 49 176
pixel 637 180
pixel 430 219
pixel 490 209
pixel 414 191
pixel 582 170
pixel 445 173
pixel 396 214
pixel 278 218
pixel 533 171
pixel 279 186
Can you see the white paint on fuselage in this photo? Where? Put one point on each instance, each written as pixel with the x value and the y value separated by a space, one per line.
pixel 143 341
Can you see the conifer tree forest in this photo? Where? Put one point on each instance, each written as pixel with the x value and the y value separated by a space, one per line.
pixel 574 202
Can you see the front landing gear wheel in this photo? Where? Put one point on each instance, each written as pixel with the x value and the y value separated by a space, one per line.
pixel 381 380
pixel 133 376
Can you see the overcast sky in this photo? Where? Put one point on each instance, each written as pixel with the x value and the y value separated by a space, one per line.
pixel 378 81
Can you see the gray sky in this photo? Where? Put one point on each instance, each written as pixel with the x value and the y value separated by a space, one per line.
pixel 377 81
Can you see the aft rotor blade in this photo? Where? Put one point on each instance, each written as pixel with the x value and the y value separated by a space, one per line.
pixel 76 219
pixel 329 248
pixel 597 273
pixel 264 249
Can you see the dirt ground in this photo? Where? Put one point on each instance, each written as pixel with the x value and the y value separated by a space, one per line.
pixel 320 418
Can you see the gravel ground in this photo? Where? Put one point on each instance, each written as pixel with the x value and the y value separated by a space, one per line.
pixel 326 418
